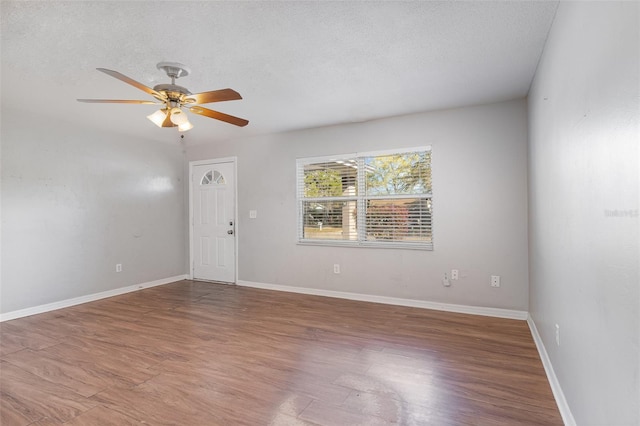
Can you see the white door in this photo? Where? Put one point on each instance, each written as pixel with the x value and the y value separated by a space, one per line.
pixel 213 233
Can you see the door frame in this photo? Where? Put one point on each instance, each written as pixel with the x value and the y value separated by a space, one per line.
pixel 234 161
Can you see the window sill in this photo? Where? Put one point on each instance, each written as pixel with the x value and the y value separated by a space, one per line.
pixel 367 244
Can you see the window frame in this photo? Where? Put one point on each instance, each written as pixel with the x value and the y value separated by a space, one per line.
pixel 361 199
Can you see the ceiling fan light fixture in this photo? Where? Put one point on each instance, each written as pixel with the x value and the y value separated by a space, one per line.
pixel 158 117
pixel 185 126
pixel 178 117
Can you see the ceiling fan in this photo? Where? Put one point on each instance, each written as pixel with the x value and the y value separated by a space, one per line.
pixel 174 98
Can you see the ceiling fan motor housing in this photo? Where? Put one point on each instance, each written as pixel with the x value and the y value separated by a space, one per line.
pixel 173 91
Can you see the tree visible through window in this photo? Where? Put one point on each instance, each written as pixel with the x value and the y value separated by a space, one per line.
pixel 367 199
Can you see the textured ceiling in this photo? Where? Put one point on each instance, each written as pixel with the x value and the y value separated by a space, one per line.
pixel 297 64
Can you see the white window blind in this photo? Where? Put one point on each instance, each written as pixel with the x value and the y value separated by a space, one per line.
pixel 379 199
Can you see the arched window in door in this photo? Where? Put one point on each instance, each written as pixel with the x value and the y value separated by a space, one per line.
pixel 212 177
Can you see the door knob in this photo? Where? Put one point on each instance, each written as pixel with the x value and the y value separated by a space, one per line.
pixel 230 232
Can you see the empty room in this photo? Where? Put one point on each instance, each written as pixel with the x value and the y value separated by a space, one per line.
pixel 320 213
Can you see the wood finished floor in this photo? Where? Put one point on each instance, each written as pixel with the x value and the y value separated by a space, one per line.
pixel 193 353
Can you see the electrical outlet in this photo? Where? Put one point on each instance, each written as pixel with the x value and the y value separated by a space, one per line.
pixel 118 267
pixel 495 280
pixel 253 214
pixel 454 274
pixel 557 335
pixel 336 268
pixel 445 281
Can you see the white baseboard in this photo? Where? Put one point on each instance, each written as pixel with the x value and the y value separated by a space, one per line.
pixel 565 411
pixel 463 309
pixel 88 298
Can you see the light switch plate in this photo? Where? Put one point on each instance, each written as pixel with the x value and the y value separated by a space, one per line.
pixel 253 214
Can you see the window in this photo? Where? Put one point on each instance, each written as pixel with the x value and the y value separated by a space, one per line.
pixel 212 177
pixel 380 199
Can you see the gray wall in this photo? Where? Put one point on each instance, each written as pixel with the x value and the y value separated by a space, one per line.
pixel 583 162
pixel 480 208
pixel 76 201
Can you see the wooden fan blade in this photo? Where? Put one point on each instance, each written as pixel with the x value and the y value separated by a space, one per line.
pixel 219 116
pixel 117 101
pixel 213 96
pixel 122 77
